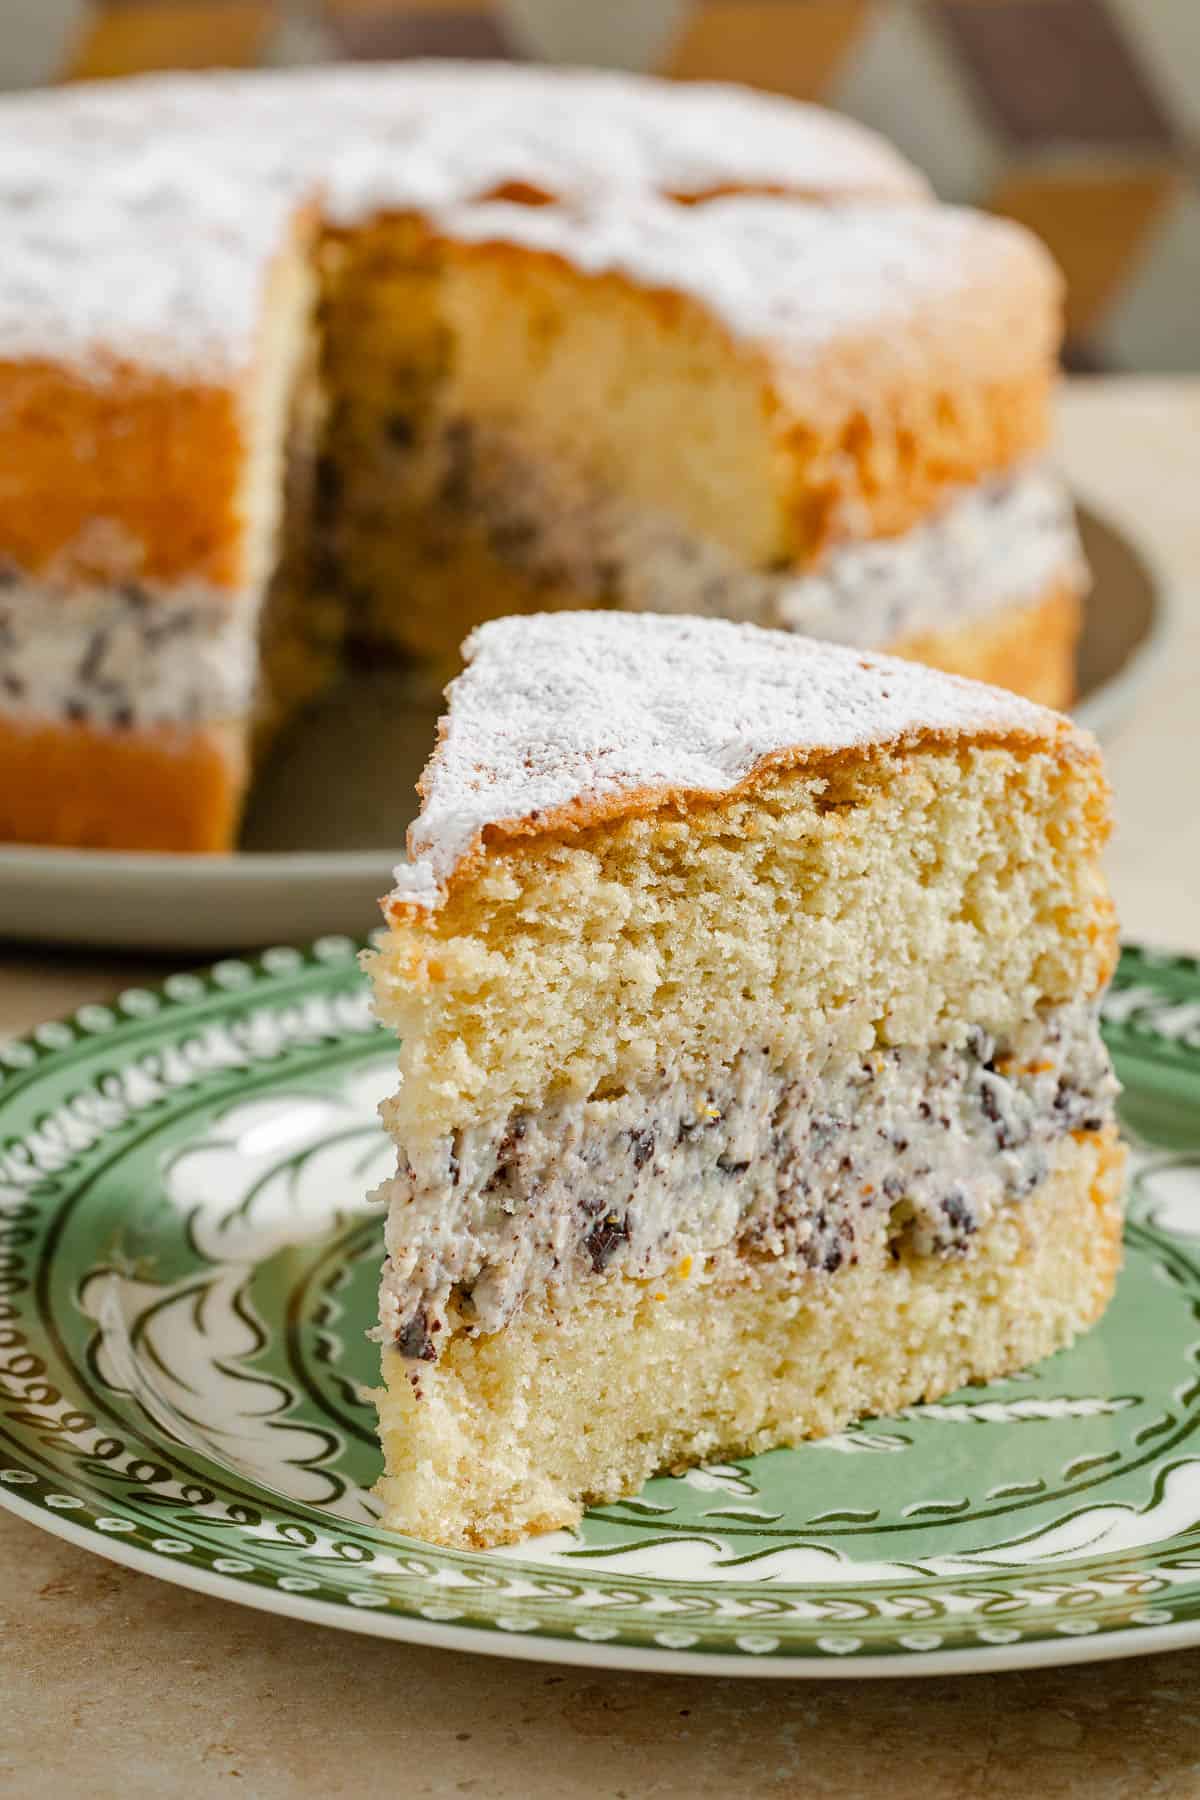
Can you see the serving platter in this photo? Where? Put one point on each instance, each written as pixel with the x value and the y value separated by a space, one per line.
pixel 188 1262
pixel 328 812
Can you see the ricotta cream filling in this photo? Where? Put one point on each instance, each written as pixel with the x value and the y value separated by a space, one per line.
pixel 125 657
pixel 798 1169
pixel 1002 542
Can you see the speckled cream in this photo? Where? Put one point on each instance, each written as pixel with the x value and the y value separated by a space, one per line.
pixel 794 1169
pixel 127 656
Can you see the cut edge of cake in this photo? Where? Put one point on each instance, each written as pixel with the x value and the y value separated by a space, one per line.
pixel 861 362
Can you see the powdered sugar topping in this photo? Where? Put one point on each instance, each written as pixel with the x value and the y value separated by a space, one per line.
pixel 560 709
pixel 140 216
pixel 581 134
pixel 797 278
pixel 160 263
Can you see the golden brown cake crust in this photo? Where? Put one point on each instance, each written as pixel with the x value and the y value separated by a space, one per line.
pixel 953 434
pixel 123 472
pixel 580 815
pixel 1028 648
pixel 84 786
pixel 132 478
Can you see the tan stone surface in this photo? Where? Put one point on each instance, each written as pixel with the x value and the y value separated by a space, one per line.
pixel 1132 449
pixel 112 1684
pixel 116 1685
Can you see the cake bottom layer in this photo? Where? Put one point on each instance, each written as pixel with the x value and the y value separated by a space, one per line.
pixel 1029 648
pixel 514 1433
pixel 97 787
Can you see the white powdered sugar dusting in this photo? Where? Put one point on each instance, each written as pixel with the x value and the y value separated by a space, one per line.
pixel 140 216
pixel 160 264
pixel 582 134
pixel 559 709
pixel 795 277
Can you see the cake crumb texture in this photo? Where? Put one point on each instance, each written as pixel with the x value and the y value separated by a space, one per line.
pixel 655 852
pixel 776 375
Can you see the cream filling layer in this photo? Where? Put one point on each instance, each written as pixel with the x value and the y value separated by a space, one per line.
pixel 794 1169
pixel 125 657
pixel 1003 542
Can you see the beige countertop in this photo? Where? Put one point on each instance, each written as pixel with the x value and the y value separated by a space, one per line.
pixel 1132 449
pixel 113 1684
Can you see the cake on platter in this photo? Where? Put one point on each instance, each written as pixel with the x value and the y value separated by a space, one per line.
pixel 751 1079
pixel 246 426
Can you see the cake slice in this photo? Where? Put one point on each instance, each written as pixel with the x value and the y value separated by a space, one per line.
pixel 751 1080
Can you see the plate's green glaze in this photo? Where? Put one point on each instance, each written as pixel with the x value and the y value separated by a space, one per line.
pixel 188 1265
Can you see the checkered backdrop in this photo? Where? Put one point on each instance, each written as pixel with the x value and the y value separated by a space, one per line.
pixel 1079 117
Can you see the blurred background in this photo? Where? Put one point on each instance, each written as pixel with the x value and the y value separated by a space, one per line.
pixel 1079 117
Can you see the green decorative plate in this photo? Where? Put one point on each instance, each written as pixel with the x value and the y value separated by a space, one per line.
pixel 188 1264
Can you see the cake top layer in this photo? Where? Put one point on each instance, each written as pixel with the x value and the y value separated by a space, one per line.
pixel 569 718
pixel 140 216
pixel 142 264
pixel 799 279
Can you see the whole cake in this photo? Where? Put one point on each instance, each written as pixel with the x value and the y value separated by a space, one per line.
pixel 751 1076
pixel 251 411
